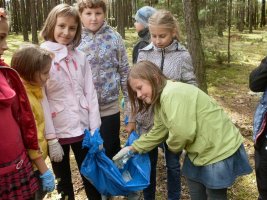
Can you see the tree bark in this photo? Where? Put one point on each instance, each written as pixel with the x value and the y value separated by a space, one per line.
pixel 34 23
pixel 24 22
pixel 263 21
pixel 221 17
pixel 194 42
pixel 120 18
pixel 229 30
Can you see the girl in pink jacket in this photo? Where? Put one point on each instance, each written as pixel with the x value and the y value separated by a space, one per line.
pixel 70 93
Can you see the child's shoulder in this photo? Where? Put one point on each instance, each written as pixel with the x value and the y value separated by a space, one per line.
pixel 149 47
pixel 113 33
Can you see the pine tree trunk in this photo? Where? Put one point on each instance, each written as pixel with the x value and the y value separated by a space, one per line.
pixel 263 21
pixel 194 42
pixel 24 22
pixel 34 22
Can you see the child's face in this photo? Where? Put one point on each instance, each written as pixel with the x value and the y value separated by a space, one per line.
pixel 138 27
pixel 65 30
pixel 93 18
pixel 142 88
pixel 161 36
pixel 3 36
pixel 42 76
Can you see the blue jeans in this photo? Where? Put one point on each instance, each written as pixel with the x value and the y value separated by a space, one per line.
pixel 173 174
pixel 199 192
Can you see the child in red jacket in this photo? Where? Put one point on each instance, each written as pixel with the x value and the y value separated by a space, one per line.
pixel 18 133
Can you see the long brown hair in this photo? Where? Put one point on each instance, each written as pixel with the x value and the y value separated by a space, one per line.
pixel 61 10
pixel 148 71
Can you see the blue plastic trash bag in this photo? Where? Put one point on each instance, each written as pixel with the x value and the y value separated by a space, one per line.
pixel 104 174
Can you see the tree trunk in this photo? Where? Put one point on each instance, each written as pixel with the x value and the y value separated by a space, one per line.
pixel 14 16
pixel 24 22
pixel 263 21
pixel 40 15
pixel 229 30
pixel 241 16
pixel 194 42
pixel 3 4
pixel 45 7
pixel 221 17
pixel 255 14
pixel 28 16
pixel 120 18
pixel 34 22
pixel 250 15
pixel 53 3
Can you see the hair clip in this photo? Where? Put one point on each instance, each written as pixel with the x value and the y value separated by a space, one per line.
pixel 2 13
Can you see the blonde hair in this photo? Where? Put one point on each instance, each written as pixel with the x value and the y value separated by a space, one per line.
pixel 29 59
pixel 61 10
pixel 82 4
pixel 165 19
pixel 148 71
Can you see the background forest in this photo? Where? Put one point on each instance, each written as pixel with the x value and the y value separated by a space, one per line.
pixel 226 39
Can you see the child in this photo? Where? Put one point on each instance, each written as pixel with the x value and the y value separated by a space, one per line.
pixel 33 65
pixel 70 93
pixel 187 118
pixel 18 133
pixel 175 62
pixel 258 83
pixel 105 51
pixel 141 26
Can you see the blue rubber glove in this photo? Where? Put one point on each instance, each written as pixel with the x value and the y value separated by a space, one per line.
pixel 86 140
pixel 48 181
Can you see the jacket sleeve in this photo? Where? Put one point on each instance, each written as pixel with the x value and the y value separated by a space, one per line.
pixel 153 138
pixel 123 70
pixel 91 97
pixel 188 75
pixel 50 132
pixel 258 77
pixel 136 49
pixel 141 56
pixel 34 154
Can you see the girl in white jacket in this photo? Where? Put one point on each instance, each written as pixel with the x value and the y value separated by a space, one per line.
pixel 70 93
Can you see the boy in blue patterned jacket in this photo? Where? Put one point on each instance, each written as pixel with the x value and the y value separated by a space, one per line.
pixel 106 53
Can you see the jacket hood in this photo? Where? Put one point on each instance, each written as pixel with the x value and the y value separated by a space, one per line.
pixel 174 46
pixel 101 29
pixel 60 51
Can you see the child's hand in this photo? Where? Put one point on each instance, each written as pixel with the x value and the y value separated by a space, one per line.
pixel 48 181
pixel 121 158
pixel 130 127
pixel 55 150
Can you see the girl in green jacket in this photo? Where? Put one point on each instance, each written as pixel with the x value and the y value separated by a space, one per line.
pixel 187 118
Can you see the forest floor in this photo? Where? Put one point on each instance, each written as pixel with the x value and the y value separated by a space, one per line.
pixel 228 84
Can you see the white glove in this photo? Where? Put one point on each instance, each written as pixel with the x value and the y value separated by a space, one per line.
pixel 55 150
pixel 121 158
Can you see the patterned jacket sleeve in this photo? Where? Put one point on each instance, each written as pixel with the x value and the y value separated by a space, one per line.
pixel 123 70
pixel 188 75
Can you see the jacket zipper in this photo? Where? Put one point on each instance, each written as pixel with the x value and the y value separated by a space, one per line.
pixel 162 59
